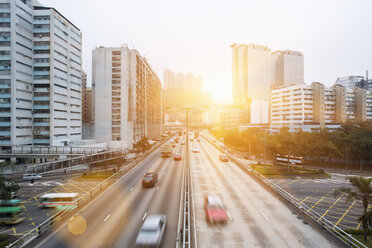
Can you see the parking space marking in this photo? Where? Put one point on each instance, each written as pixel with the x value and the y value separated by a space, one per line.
pixel 325 213
pixel 305 199
pixel 345 213
pixel 293 181
pixel 79 188
pixel 321 199
pixel 306 181
pixel 62 186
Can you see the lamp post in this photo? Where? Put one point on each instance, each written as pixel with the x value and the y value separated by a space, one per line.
pixel 346 160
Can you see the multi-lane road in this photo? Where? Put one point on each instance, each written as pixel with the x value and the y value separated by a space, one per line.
pixel 114 219
pixel 257 219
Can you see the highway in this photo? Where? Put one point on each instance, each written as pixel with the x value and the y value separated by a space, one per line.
pixel 115 217
pixel 257 218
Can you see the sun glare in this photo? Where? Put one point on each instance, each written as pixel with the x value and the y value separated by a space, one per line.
pixel 219 94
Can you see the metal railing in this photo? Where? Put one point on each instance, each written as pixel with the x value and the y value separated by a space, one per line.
pixel 186 225
pixel 342 236
pixel 69 162
pixel 81 201
pixel 30 149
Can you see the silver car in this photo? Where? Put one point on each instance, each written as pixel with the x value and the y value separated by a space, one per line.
pixel 30 177
pixel 152 231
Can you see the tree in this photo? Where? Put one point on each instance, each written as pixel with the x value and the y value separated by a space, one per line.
pixel 366 220
pixel 362 190
pixel 7 186
pixel 143 144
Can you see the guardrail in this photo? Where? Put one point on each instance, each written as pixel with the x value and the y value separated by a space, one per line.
pixel 30 149
pixel 81 201
pixel 337 233
pixel 67 163
pixel 186 225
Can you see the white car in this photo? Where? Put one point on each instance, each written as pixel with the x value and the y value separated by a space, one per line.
pixel 152 231
pixel 195 150
pixel 30 177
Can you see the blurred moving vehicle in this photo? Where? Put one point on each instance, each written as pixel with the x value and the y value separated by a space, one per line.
pixel 11 211
pixel 191 139
pixel 149 179
pixel 198 139
pixel 223 157
pixel 29 177
pixel 173 145
pixel 166 150
pixel 214 210
pixel 176 140
pixel 183 143
pixel 177 156
pixel 152 231
pixel 51 200
pixel 195 150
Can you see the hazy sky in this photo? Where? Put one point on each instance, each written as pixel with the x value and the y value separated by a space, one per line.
pixel 194 35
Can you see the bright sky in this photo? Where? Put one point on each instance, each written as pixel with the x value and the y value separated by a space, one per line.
pixel 194 35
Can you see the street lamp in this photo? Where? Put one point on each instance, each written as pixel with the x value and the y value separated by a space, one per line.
pixel 346 160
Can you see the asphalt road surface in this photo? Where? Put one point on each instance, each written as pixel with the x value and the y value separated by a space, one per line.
pixel 114 219
pixel 257 218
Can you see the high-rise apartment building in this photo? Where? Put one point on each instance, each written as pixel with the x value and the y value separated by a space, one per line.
pixel 186 81
pixel 252 72
pixel 127 97
pixel 57 78
pixel 169 79
pixel 289 67
pixel 40 76
pixel 313 107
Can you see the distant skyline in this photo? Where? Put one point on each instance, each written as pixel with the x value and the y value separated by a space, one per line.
pixel 194 36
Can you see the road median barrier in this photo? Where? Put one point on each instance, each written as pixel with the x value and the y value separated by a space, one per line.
pixel 58 219
pixel 336 235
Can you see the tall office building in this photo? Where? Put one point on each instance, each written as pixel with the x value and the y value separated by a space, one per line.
pixel 289 67
pixel 252 72
pixel 40 76
pixel 127 97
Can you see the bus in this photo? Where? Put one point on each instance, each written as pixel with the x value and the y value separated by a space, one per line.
pixel 64 200
pixel 283 160
pixel 11 211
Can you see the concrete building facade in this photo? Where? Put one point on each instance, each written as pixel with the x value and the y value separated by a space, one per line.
pixel 252 69
pixel 289 67
pixel 40 76
pixel 127 97
pixel 313 107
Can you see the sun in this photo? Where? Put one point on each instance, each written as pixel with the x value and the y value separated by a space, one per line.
pixel 220 93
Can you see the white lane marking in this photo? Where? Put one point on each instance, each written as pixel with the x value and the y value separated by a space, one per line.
pixel 265 217
pixel 131 189
pixel 144 216
pixel 108 216
pixel 157 188
pixel 228 214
